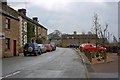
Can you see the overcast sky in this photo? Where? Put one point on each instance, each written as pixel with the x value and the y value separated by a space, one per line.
pixel 71 15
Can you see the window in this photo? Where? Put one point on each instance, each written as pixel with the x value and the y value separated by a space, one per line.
pixel 7 26
pixel 7 41
pixel 72 37
pixel 67 37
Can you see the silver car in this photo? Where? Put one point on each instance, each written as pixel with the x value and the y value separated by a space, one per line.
pixel 42 47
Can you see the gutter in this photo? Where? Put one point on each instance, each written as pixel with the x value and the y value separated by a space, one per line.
pixel 83 61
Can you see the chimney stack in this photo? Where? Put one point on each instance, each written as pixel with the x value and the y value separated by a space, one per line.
pixel 75 32
pixel 4 2
pixel 22 11
pixel 35 19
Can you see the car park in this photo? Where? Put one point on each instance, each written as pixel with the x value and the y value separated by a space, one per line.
pixel 31 49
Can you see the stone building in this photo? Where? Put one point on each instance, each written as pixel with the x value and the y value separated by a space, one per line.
pixel 68 39
pixel 15 29
pixel 65 40
pixel 9 26
pixel 29 28
pixel 40 31
pixel 22 28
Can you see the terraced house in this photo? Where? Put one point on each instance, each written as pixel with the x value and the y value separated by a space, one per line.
pixel 29 28
pixel 16 29
pixel 9 31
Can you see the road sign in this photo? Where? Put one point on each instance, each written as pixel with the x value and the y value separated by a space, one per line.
pixel 2 36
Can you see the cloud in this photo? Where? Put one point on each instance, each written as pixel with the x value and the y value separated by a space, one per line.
pixel 53 5
pixel 74 15
pixel 17 5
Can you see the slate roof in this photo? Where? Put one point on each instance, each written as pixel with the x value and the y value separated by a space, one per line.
pixel 29 19
pixel 3 12
pixel 78 36
pixel 6 13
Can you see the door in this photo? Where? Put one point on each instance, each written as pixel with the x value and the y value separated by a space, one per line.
pixel 14 47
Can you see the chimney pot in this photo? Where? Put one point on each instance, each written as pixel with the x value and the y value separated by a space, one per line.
pixel 4 2
pixel 35 19
pixel 22 11
pixel 75 32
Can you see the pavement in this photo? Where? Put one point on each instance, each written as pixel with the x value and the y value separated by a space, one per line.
pixel 102 70
pixel 62 63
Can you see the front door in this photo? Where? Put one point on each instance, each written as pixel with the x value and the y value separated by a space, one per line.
pixel 14 47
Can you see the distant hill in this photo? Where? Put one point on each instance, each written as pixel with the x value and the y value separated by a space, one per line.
pixel 54 35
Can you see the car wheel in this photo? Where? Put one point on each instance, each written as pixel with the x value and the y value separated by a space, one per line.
pixel 40 52
pixel 25 54
pixel 30 49
pixel 36 53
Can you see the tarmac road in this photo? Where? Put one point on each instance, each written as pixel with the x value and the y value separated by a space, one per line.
pixel 62 63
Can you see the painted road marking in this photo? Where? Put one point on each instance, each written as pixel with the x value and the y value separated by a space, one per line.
pixel 12 74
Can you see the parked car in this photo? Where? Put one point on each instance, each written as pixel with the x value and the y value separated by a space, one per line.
pixel 92 47
pixel 53 47
pixel 48 47
pixel 31 48
pixel 42 47
pixel 82 45
pixel 73 46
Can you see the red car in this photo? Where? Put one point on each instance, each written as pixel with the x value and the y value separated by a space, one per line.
pixel 48 47
pixel 92 48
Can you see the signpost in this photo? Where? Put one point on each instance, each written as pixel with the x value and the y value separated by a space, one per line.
pixel 2 36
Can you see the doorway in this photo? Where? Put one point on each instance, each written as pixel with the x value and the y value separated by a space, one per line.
pixel 14 47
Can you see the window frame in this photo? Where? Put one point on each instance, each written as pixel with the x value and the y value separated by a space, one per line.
pixel 7 23
pixel 7 43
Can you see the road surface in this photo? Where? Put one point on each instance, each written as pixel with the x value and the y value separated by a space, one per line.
pixel 62 63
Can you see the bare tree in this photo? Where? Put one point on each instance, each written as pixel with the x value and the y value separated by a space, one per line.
pixel 106 26
pixel 98 30
pixel 103 33
pixel 96 26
